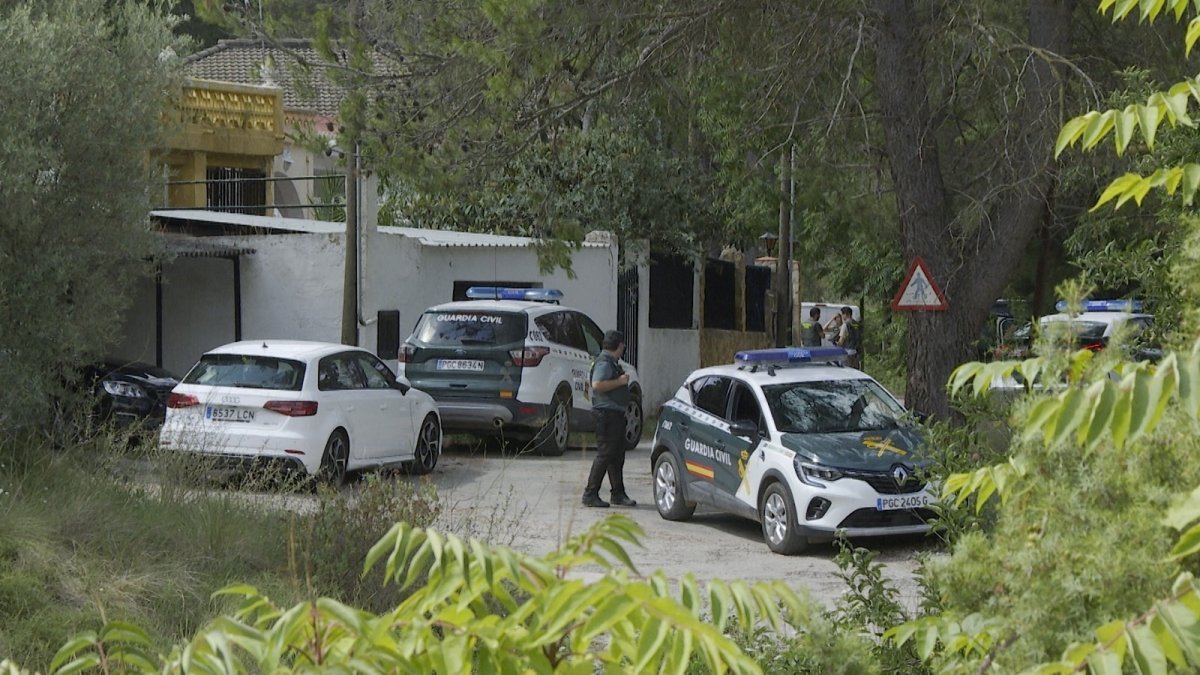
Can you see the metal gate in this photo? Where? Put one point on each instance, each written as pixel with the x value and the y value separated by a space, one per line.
pixel 627 312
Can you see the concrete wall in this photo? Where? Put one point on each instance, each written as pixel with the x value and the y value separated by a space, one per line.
pixel 717 347
pixel 404 275
pixel 291 288
pixel 667 357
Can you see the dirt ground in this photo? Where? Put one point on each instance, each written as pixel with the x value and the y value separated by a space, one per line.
pixel 532 504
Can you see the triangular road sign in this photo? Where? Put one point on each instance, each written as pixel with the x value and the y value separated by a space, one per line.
pixel 919 292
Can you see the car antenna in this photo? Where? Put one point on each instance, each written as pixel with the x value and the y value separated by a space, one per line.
pixel 264 344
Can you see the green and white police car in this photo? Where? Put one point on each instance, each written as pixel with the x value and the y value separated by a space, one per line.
pixel 512 361
pixel 792 439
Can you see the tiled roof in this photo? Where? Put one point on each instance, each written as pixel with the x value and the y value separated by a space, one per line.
pixel 241 61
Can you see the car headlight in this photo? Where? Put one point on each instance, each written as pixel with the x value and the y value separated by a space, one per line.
pixel 123 389
pixel 814 474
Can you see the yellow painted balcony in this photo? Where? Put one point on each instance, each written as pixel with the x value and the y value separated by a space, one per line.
pixel 229 119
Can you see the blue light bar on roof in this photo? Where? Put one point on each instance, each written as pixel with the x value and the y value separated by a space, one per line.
pixel 502 293
pixel 1103 306
pixel 789 355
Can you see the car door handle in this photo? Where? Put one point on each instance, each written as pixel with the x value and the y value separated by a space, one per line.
pixel 349 408
pixel 383 406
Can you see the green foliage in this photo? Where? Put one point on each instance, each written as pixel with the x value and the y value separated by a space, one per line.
pixel 477 608
pixel 608 177
pixel 87 86
pixel 332 542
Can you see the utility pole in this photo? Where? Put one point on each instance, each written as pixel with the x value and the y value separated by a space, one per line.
pixel 350 274
pixel 783 263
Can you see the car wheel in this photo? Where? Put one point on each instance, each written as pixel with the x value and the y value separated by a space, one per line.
pixel 552 439
pixel 668 489
pixel 777 512
pixel 428 448
pixel 633 422
pixel 335 459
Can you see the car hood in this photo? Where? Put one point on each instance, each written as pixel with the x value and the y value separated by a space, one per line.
pixel 877 450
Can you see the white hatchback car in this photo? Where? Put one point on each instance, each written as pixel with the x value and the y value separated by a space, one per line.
pixel 316 407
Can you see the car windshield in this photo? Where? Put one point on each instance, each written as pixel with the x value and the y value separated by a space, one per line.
pixel 466 328
pixel 836 406
pixel 247 371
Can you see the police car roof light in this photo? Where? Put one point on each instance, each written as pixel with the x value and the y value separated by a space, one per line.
pixel 783 356
pixel 1103 305
pixel 502 293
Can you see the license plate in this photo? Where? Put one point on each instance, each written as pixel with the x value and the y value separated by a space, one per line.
pixel 460 364
pixel 897 502
pixel 224 413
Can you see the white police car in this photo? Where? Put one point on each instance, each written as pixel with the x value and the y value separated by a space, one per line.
pixel 792 439
pixel 512 361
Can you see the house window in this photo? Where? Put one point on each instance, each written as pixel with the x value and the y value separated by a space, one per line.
pixel 236 190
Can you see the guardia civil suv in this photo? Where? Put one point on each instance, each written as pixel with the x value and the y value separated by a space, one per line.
pixel 512 361
pixel 792 439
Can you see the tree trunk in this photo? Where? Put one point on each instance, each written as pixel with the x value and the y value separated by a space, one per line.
pixel 971 269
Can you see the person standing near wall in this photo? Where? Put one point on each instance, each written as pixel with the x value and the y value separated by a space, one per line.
pixel 811 331
pixel 850 338
pixel 610 396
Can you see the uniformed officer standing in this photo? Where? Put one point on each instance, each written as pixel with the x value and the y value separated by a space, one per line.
pixel 610 397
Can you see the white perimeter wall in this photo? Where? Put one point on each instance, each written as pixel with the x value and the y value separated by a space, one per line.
pixel 404 275
pixel 291 288
pixel 666 356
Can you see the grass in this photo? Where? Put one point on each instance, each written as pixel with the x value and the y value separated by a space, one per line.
pixel 80 545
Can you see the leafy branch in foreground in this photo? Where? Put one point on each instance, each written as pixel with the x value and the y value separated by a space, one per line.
pixel 1171 105
pixel 1126 404
pixel 476 608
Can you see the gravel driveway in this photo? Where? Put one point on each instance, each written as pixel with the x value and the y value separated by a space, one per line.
pixel 531 503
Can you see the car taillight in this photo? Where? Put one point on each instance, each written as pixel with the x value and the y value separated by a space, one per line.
pixel 293 408
pixel 529 356
pixel 181 400
pixel 406 353
pixel 1094 346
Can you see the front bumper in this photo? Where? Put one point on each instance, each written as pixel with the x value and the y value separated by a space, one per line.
pixel 851 510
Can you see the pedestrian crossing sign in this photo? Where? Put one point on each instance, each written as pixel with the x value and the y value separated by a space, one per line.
pixel 919 292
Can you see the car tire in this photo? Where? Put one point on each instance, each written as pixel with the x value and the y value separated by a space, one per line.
pixel 668 489
pixel 335 459
pixel 552 439
pixel 777 513
pixel 633 421
pixel 428 447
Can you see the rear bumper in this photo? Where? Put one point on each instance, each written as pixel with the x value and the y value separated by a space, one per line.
pixel 248 450
pixel 483 416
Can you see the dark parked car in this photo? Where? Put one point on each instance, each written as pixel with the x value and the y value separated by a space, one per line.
pixel 130 392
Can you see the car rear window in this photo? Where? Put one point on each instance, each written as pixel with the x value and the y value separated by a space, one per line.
pixel 467 328
pixel 247 371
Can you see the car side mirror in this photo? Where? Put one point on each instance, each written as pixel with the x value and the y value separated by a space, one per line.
pixel 919 416
pixel 401 386
pixel 744 429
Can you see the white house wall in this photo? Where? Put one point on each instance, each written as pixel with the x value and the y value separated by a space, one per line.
pixel 402 274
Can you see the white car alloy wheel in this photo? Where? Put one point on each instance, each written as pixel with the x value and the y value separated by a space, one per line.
pixel 556 433
pixel 335 459
pixel 633 423
pixel 779 521
pixel 428 448
pixel 668 492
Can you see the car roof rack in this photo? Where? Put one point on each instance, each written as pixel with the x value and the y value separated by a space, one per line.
pixel 1102 306
pixel 786 357
pixel 551 295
